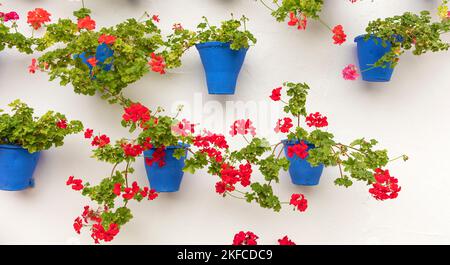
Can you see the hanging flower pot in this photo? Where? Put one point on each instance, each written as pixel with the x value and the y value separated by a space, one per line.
pixel 301 171
pixel 16 167
pixel 222 66
pixel 222 51
pixel 369 52
pixel 22 138
pixel 164 171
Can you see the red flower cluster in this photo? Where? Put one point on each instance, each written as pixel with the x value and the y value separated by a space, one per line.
pixel 157 63
pixel 100 141
pixel 92 61
pixel 245 238
pixel 8 16
pixel 34 66
pixel 132 150
pixel 285 241
pixel 294 21
pixel 88 133
pixel 155 18
pixel 129 193
pixel 77 184
pixel 62 124
pixel 210 144
pixel 339 36
pixel 276 94
pixel 285 126
pixel 157 157
pixel 300 150
pixel 38 17
pixel 316 120
pixel 86 23
pixel 385 187
pixel 230 176
pixel 299 201
pixel 242 127
pixel 99 232
pixel 136 113
pixel 107 39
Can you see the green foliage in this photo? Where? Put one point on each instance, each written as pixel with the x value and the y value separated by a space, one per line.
pixel 34 133
pixel 15 39
pixel 409 31
pixel 136 40
pixel 228 32
pixel 297 93
pixel 263 195
pixel 309 8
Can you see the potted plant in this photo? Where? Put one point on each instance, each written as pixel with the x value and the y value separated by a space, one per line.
pixel 386 39
pixel 23 137
pixel 298 13
pixel 222 51
pixel 164 142
pixel 106 60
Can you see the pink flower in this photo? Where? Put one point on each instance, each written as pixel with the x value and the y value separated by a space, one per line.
pixel 11 16
pixel 242 127
pixel 350 72
pixel 183 128
pixel 33 66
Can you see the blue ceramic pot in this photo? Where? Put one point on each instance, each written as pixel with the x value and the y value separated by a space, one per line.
pixel 222 66
pixel 369 52
pixel 300 170
pixel 17 166
pixel 168 177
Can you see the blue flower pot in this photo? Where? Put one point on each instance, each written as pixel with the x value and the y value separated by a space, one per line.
pixel 369 52
pixel 301 171
pixel 16 167
pixel 168 177
pixel 222 66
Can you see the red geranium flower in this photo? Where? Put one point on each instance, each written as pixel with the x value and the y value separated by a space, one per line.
pixel 316 120
pixel 385 187
pixel 86 23
pixel 276 94
pixel 301 150
pixel 339 36
pixel 245 238
pixel 88 133
pixel 38 17
pixel 299 201
pixel 62 124
pixel 155 18
pixel 76 183
pixel 107 39
pixel 285 241
pixel 285 126
pixel 100 141
pixel 157 63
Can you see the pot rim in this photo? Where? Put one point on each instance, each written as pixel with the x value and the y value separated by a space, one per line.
pixel 291 142
pixel 179 146
pixel 214 44
pixel 11 146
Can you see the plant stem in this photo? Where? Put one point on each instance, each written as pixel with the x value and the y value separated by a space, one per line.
pixel 267 6
pixel 234 196
pixel 325 24
pixel 82 2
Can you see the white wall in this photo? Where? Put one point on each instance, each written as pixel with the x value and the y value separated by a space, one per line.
pixel 407 115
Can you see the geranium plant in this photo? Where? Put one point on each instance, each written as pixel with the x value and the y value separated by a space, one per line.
pixel 35 134
pixel 233 31
pixel 9 34
pixel 22 138
pixel 416 32
pixel 358 160
pixel 104 61
pixel 298 13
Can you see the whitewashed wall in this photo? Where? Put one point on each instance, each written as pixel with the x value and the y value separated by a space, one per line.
pixel 407 115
